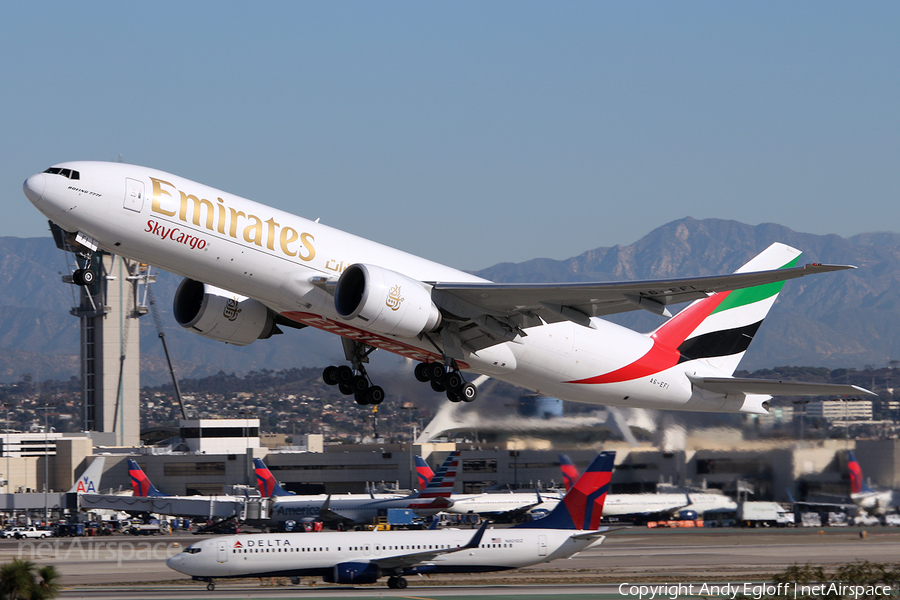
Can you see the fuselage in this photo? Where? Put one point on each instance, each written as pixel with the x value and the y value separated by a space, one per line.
pixel 316 554
pixel 358 510
pixel 277 258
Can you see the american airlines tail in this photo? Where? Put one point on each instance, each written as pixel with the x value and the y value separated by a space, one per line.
pixel 141 483
pixel 441 484
pixel 265 482
pixel 718 329
pixel 582 506
pixel 89 482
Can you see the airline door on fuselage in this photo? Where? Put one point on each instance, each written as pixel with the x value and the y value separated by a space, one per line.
pixel 542 545
pixel 134 194
pixel 222 552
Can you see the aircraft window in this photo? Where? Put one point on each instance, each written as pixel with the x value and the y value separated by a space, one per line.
pixel 192 550
pixel 67 173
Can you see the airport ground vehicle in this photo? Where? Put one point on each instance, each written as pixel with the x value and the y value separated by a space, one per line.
pixel 31 532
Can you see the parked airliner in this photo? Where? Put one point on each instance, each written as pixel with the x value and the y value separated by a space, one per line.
pixel 340 511
pixel 250 268
pixel 641 507
pixel 364 557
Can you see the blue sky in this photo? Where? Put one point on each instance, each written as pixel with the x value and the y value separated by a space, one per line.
pixel 471 132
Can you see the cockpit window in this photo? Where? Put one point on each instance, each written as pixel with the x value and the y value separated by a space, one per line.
pixel 192 550
pixel 67 173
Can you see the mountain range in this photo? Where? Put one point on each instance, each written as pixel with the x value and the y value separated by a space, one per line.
pixel 844 319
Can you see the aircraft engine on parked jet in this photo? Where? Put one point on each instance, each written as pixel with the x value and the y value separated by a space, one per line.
pixel 222 315
pixel 385 301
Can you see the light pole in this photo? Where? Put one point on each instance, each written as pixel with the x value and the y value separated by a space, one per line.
pixel 45 408
pixel 6 447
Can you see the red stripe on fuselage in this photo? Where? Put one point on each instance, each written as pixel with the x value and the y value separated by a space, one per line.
pixel 366 337
pixel 663 354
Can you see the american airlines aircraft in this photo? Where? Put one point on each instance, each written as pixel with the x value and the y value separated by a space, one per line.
pixel 250 268
pixel 364 557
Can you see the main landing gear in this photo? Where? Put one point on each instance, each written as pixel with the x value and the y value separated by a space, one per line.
pixel 355 383
pixel 354 380
pixel 397 583
pixel 442 380
pixel 83 277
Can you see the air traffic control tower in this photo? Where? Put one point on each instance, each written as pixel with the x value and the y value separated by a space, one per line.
pixel 109 309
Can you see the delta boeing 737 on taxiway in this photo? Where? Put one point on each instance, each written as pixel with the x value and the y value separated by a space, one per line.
pixel 364 557
pixel 250 268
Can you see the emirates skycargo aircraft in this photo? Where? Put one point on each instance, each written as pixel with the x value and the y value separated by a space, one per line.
pixel 249 268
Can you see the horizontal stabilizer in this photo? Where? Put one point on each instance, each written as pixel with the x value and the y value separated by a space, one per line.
pixel 773 387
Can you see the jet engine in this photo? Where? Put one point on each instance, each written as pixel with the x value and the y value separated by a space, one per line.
pixel 385 301
pixel 222 315
pixel 353 572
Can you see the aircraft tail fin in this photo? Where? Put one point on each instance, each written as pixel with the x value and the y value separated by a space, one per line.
pixel 266 483
pixel 857 483
pixel 582 506
pixel 423 471
pixel 140 482
pixel 719 328
pixel 569 471
pixel 89 482
pixel 441 484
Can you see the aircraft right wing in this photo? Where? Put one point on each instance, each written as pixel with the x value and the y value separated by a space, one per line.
pixel 727 385
pixel 406 561
pixel 489 313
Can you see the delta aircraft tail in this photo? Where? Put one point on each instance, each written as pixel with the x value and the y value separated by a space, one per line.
pixel 582 506
pixel 569 471
pixel 89 482
pixel 858 485
pixel 265 482
pixel 141 483
pixel 423 472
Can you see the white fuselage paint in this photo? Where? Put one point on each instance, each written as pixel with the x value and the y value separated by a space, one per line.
pixel 270 255
pixel 315 554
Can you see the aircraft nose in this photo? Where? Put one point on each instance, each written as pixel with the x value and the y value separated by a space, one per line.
pixel 175 562
pixel 34 187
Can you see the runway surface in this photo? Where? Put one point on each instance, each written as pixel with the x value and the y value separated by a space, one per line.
pixel 118 567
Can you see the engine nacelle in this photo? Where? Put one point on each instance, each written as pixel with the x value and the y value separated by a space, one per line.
pixel 353 572
pixel 385 301
pixel 221 315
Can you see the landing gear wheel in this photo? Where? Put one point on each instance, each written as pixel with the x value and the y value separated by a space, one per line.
pixel 453 396
pixel 345 388
pixel 359 384
pixel 468 392
pixel 361 398
pixel 436 371
pixel 421 372
pixel 329 375
pixel 87 276
pixel 401 583
pixel 210 587
pixel 375 395
pixel 453 381
pixel 392 582
pixel 437 385
pixel 344 373
pixel 78 277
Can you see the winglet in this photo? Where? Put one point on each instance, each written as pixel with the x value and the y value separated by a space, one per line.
pixel 476 539
pixel 265 482
pixel 141 483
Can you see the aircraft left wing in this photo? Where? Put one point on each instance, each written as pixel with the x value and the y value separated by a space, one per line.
pixel 407 561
